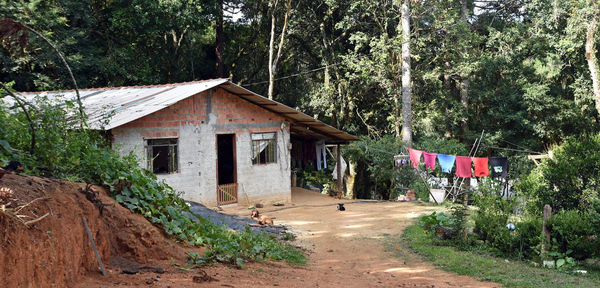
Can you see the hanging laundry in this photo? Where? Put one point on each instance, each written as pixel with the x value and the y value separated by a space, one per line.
pixel 429 160
pixel 344 166
pixel 463 166
pixel 400 160
pixel 481 167
pixel 446 162
pixel 499 166
pixel 320 153
pixel 415 157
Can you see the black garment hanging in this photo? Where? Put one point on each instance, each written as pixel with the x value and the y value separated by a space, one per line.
pixel 499 166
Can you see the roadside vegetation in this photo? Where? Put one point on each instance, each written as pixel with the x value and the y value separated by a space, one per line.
pixel 482 263
pixel 62 150
pixel 500 238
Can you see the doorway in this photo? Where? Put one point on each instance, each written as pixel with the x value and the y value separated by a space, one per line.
pixel 226 169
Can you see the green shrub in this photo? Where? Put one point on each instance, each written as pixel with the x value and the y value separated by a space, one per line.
pixel 571 230
pixel 491 218
pixel 529 237
pixel 446 227
pixel 421 191
pixel 569 180
pixel 376 157
pixel 83 155
pixel 433 221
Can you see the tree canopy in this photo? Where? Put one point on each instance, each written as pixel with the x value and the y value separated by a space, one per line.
pixel 521 70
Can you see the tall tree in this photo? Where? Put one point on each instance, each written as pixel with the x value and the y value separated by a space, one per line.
pixel 274 59
pixel 406 80
pixel 590 53
pixel 219 39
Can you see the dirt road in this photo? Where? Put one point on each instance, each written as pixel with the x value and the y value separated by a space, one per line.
pixel 349 248
pixel 346 249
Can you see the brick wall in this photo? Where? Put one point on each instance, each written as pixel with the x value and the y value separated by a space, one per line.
pixel 195 121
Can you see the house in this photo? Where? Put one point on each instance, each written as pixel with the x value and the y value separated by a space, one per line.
pixel 213 140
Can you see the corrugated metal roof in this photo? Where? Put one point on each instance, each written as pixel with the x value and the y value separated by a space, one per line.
pixel 108 108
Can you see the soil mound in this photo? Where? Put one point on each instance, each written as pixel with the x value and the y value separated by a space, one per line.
pixel 44 243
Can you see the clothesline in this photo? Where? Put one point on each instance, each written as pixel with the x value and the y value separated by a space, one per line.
pixel 463 164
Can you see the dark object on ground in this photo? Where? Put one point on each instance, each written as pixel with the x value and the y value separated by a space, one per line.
pixel 335 193
pixel 203 277
pixel 135 270
pixel 2 172
pixel 341 207
pixel 278 204
pixel 14 166
pixel 92 196
pixel 258 205
pixel 232 221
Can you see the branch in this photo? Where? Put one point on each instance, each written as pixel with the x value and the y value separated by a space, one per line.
pixel 27 115
pixel 62 58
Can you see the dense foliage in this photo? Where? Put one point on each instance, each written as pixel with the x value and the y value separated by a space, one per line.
pixel 523 62
pixel 569 180
pixel 520 70
pixel 81 155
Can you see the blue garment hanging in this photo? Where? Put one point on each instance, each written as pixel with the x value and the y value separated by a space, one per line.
pixel 446 162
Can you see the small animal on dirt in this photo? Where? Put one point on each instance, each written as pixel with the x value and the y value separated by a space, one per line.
pixel 341 207
pixel 262 219
pixel 13 166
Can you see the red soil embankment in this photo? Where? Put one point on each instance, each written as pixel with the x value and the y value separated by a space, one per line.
pixel 56 251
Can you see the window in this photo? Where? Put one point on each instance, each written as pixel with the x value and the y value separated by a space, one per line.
pixel 264 148
pixel 162 155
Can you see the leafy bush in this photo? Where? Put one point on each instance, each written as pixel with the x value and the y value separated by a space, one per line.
pixel 446 227
pixel 66 152
pixel 376 156
pixel 421 191
pixel 571 231
pixel 491 219
pixel 529 237
pixel 569 180
pixel 433 221
pixel 317 177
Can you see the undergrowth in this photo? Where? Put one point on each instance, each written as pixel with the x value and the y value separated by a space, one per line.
pixel 478 263
pixel 84 155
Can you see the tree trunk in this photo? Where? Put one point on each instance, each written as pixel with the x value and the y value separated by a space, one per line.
pixel 274 59
pixel 406 89
pixel 271 43
pixel 397 115
pixel 590 56
pixel 464 86
pixel 219 40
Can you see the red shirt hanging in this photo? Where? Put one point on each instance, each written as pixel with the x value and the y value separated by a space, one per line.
pixel 429 160
pixel 415 157
pixel 463 166
pixel 481 167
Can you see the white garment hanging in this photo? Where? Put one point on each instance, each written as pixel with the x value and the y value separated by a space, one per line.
pixel 321 156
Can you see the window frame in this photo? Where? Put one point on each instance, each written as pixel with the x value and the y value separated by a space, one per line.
pixel 172 145
pixel 255 139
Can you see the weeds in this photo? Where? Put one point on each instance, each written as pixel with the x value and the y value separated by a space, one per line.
pixel 85 155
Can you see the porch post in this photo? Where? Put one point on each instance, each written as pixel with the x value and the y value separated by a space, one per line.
pixel 339 168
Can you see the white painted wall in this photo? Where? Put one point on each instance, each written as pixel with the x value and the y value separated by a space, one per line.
pixel 197 175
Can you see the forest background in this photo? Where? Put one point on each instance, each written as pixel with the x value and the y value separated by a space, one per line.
pixel 523 71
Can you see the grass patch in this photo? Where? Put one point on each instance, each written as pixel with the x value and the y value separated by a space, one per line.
pixel 488 268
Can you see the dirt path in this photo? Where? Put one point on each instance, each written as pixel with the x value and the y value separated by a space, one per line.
pixel 349 248
pixel 346 249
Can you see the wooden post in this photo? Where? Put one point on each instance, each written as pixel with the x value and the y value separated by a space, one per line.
pixel 339 168
pixel 545 231
pixel 426 186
